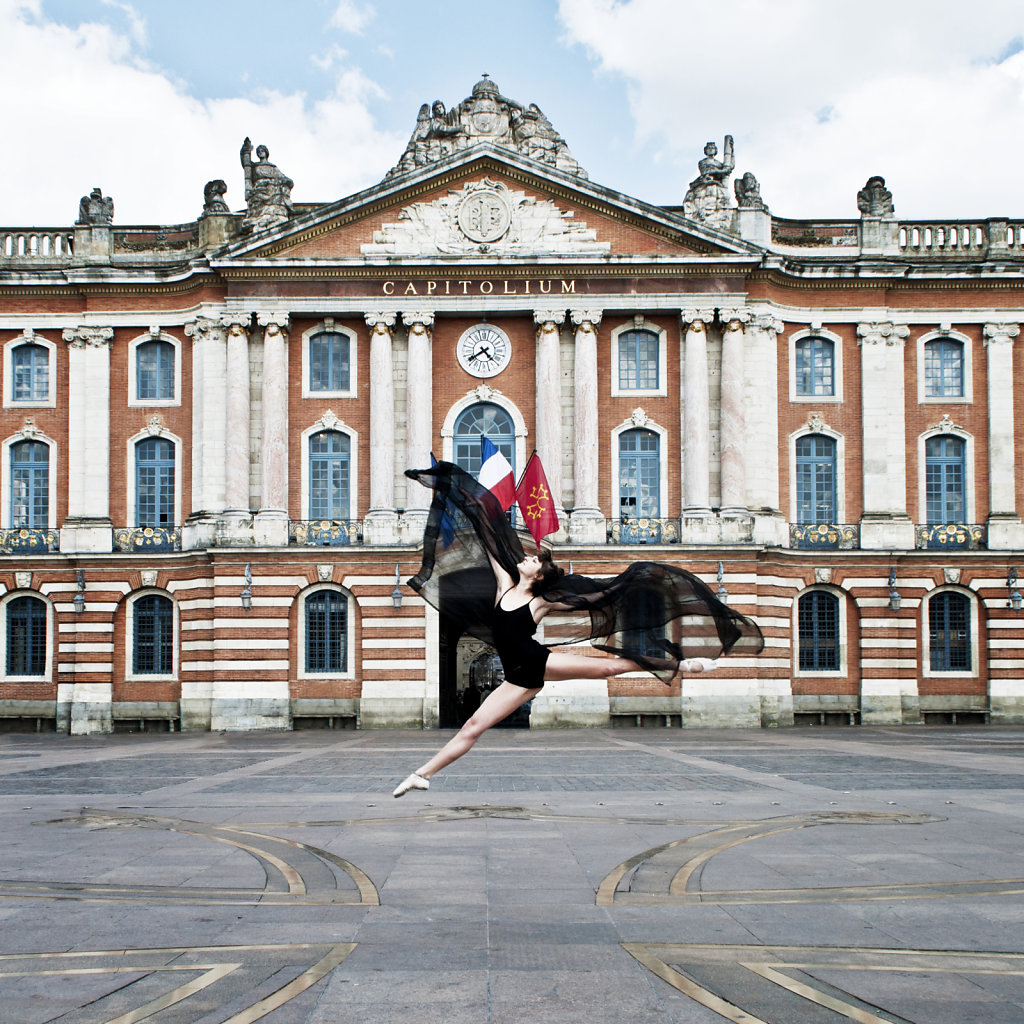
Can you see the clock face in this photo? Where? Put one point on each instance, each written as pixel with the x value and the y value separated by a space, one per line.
pixel 484 350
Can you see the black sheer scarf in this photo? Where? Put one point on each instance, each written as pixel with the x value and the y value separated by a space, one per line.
pixel 652 613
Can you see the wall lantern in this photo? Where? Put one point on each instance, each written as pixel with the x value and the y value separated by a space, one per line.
pixel 1015 600
pixel 894 595
pixel 246 595
pixel 722 594
pixel 396 594
pixel 79 599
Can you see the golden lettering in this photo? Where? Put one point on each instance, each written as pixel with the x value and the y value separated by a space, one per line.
pixel 568 286
pixel 515 291
pixel 543 290
pixel 465 287
pixel 486 287
pixel 410 289
pixel 389 287
pixel 431 286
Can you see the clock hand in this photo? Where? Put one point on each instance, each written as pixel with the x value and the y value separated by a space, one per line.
pixel 486 349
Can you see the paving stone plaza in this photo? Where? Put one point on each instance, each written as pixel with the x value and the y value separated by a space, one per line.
pixel 655 876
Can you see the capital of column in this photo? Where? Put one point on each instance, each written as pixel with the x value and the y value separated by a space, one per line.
pixel 381 323
pixel 91 337
pixel 275 319
pixel 766 322
pixel 236 323
pixel 734 319
pixel 697 319
pixel 413 318
pixel 204 327
pixel 882 334
pixel 998 334
pixel 541 317
pixel 582 317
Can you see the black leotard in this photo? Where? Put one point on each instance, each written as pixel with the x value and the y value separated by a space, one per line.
pixel 522 658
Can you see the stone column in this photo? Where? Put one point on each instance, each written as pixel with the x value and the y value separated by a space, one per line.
pixel 885 523
pixel 88 526
pixel 272 518
pixel 237 496
pixel 209 430
pixel 1004 523
pixel 696 446
pixel 548 417
pixel 588 524
pixel 419 403
pixel 733 433
pixel 380 525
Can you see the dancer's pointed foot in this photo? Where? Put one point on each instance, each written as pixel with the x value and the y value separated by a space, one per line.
pixel 693 665
pixel 413 781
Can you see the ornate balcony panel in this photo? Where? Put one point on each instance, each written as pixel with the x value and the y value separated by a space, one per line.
pixel 147 538
pixel 23 541
pixel 325 532
pixel 644 530
pixel 819 536
pixel 957 536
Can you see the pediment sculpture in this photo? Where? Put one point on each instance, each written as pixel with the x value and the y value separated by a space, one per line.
pixel 485 116
pixel 707 199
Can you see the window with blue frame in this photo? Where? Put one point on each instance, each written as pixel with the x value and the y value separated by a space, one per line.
pixel 154 371
pixel 945 480
pixel 326 632
pixel 815 479
pixel 154 482
pixel 30 373
pixel 26 636
pixel 490 420
pixel 949 632
pixel 153 636
pixel 639 353
pixel 30 485
pixel 818 625
pixel 815 368
pixel 944 369
pixel 329 475
pixel 329 362
pixel 639 474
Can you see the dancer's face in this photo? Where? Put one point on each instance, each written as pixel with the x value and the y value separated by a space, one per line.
pixel 529 567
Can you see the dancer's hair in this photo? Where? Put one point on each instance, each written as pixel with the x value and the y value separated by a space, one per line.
pixel 549 575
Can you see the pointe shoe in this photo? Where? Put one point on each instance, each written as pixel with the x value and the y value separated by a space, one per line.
pixel 413 781
pixel 700 665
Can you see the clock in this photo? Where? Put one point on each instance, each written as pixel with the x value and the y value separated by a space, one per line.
pixel 484 350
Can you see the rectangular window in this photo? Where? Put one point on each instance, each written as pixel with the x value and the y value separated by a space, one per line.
pixel 815 375
pixel 944 369
pixel 328 362
pixel 31 373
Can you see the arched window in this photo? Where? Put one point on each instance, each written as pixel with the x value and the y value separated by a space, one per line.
pixel 945 479
pixel 482 418
pixel 639 474
pixel 154 482
pixel 329 362
pixel 30 485
pixel 818 626
pixel 326 616
pixel 815 367
pixel 154 371
pixel 153 636
pixel 329 475
pixel 638 360
pixel 815 479
pixel 30 381
pixel 26 636
pixel 949 632
pixel 944 368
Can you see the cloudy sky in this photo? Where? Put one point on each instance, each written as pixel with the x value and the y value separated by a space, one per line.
pixel 149 99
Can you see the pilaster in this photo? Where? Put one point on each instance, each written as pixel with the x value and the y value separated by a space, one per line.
pixel 419 401
pixel 548 377
pixel 587 525
pixel 696 414
pixel 380 525
pixel 733 434
pixel 272 518
pixel 1005 530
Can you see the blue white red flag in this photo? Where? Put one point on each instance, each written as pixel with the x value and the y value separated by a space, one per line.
pixel 496 473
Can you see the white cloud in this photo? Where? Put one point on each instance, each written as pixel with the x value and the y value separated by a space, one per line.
pixel 821 95
pixel 93 114
pixel 350 16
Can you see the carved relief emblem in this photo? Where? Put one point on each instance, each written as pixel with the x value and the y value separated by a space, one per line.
pixel 486 117
pixel 951 575
pixel 149 577
pixel 484 216
pixel 23 580
pixel 324 572
pixel 823 575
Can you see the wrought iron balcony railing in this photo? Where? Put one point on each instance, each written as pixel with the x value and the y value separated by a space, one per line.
pixel 951 536
pixel 325 532
pixel 643 530
pixel 819 536
pixel 28 540
pixel 147 538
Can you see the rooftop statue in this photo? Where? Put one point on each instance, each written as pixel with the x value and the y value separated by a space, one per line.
pixel 268 190
pixel 96 208
pixel 485 116
pixel 707 198
pixel 213 197
pixel 874 199
pixel 748 193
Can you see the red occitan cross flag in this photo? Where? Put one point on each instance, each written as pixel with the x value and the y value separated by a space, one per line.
pixel 536 501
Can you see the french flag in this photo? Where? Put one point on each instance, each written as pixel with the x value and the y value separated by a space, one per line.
pixel 496 474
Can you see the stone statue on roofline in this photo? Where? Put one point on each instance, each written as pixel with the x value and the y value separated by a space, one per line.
pixel 874 199
pixel 748 193
pixel 96 208
pixel 268 191
pixel 485 116
pixel 707 199
pixel 213 197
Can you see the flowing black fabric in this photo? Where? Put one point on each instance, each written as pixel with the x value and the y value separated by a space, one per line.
pixel 652 613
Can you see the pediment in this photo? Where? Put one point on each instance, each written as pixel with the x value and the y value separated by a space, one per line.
pixel 487 205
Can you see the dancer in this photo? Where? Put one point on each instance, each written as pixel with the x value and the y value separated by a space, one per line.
pixel 476 572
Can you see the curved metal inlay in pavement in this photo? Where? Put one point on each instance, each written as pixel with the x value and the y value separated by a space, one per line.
pixel 295 872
